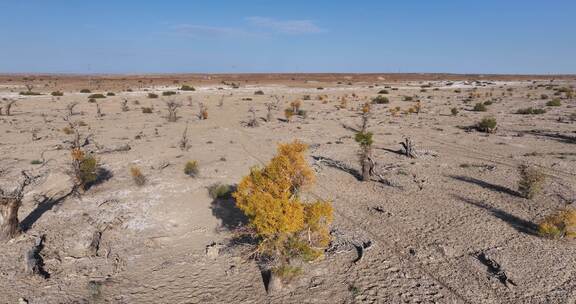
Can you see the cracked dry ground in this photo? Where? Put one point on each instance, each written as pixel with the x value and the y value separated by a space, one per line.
pixel 447 231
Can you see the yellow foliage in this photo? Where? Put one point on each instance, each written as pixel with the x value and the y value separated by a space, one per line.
pixel 560 224
pixel 366 108
pixel 269 197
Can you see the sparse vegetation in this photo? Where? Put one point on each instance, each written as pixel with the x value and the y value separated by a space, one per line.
pixel 531 181
pixel 220 191
pixel 152 95
pixel 561 224
pixel 186 87
pixel 97 95
pixel 487 124
pixel 454 111
pixel 137 176
pixel 57 94
pixel 380 100
pixel 530 111
pixel 480 107
pixel 191 168
pixel 172 108
pixel 147 110
pixel 554 103
pixel 168 93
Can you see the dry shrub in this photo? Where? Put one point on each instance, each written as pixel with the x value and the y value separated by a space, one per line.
pixel 286 227
pixel 84 168
pixel 558 225
pixel 203 111
pixel 487 124
pixel 531 181
pixel 172 107
pixel 220 191
pixel 147 110
pixel 191 168
pixel 137 176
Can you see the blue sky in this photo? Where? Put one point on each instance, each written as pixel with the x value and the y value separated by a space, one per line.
pixel 105 36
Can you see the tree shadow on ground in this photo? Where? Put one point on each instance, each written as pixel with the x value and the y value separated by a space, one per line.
pixel 44 206
pixel 224 208
pixel 521 225
pixel 563 138
pixel 332 163
pixel 485 185
pixel 102 175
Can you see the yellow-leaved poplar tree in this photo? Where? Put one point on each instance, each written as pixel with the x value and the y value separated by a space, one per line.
pixel 286 226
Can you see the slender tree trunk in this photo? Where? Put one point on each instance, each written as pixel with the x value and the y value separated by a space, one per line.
pixel 9 227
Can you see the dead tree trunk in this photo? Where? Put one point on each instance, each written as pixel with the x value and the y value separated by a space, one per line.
pixel 9 210
pixel 9 106
pixel 9 205
pixel 408 147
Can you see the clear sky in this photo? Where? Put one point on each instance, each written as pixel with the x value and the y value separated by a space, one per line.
pixel 130 36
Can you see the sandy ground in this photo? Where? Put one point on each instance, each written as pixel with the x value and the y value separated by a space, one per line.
pixel 444 210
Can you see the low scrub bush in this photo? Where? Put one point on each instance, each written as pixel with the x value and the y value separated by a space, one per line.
pixel 187 88
pixel 110 94
pixel 30 93
pixel 168 93
pixel 147 110
pixel 84 168
pixel 487 124
pixel 220 191
pixel 191 168
pixel 454 111
pixel 554 103
pixel 85 91
pixel 380 100
pixel 530 111
pixel 559 225
pixel 259 92
pixel 531 181
pixel 97 95
pixel 137 176
pixel 152 95
pixel 480 107
pixel 57 94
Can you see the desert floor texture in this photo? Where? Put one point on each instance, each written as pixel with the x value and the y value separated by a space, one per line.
pixel 447 227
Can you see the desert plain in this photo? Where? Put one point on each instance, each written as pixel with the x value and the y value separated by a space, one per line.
pixel 445 226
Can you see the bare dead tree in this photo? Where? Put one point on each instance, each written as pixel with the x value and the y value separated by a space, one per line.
pixel 408 148
pixel 221 101
pixel 253 122
pixel 203 111
pixel 98 111
pixel 184 142
pixel 364 139
pixel 125 107
pixel 172 107
pixel 29 87
pixel 70 108
pixel 10 202
pixel 9 106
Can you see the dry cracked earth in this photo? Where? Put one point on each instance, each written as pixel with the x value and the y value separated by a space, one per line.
pixel 445 227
